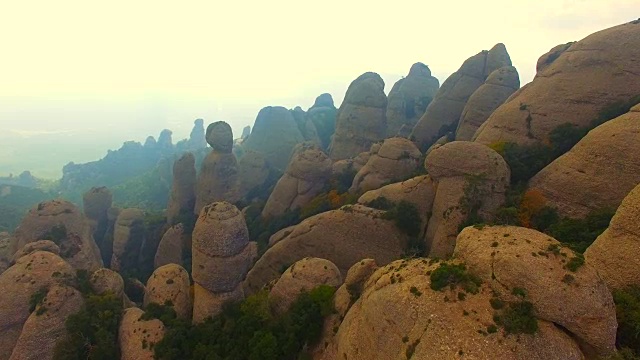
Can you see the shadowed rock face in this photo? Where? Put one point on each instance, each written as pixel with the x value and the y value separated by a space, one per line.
pixel 323 116
pixel 220 137
pixel 182 198
pixel 409 98
pixel 443 113
pixel 361 118
pixel 128 236
pixel 197 138
pixel 586 78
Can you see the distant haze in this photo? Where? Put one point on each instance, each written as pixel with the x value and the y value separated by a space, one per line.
pixel 80 77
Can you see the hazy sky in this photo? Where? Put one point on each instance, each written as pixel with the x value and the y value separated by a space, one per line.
pixel 94 74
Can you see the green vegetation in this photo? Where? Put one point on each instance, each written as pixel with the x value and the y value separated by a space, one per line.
pixel 406 217
pixel 471 201
pixel 147 191
pixel 517 318
pixel 452 275
pixel 15 202
pixel 37 298
pixel 575 263
pixel 248 330
pixel 628 315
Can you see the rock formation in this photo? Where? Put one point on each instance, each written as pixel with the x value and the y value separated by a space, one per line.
pixel 500 84
pixel 63 223
pixel 323 116
pixel 5 251
pixel 218 178
pixel 96 203
pixel 304 275
pixel 169 284
pixel 582 81
pixel 246 131
pixel 46 325
pixel 306 177
pixel 164 140
pixel 183 198
pixel 547 59
pixel 615 252
pixel 361 118
pixel 579 301
pixel 274 135
pixel 253 173
pixel 443 113
pixel 137 337
pixel 306 127
pixel 596 173
pixel 40 245
pixel 409 98
pixel 222 256
pixel 197 138
pixel 471 181
pixel 171 247
pixel 106 247
pixel 353 285
pixel 343 236
pixel 128 234
pixel 107 281
pixel 18 283
pixel 395 160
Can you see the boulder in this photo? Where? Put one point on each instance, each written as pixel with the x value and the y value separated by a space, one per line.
pixel 128 235
pixel 471 181
pixel 169 284
pixel 183 197
pixel 137 337
pixel 46 326
pixel 218 180
pixel 397 159
pixel 509 258
pixel 343 236
pixel 596 173
pixel 615 252
pixel 40 245
pixel 399 316
pixel 171 247
pixel 274 135
pixel 409 98
pixel 220 137
pixel 443 113
pixel 107 281
pixel 576 88
pixel 303 275
pixel 306 176
pixel 32 273
pixel 61 222
pixel 361 118
pixel 500 84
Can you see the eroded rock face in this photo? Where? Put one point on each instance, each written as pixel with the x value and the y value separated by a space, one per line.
pixel 578 300
pixel 137 337
pixel 615 252
pixel 40 245
pixel 596 173
pixel 361 118
pixel 18 283
pixel 547 59
pixel 304 275
pixel 183 197
pixel 305 178
pixel 253 172
pixel 409 98
pixel 500 84
pixel 471 181
pixel 171 247
pixel 323 116
pixel 343 236
pixel 396 159
pixel 395 319
pixel 64 224
pixel 170 284
pixel 274 135
pixel 128 235
pixel 443 113
pixel 222 254
pixel 353 285
pixel 584 79
pixel 46 325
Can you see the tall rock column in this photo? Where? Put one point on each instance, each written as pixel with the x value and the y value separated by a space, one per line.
pixel 96 204
pixel 183 196
pixel 222 256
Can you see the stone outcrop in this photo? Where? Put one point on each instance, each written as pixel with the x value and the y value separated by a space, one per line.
pixel 274 135
pixel 164 140
pixel 40 245
pixel 183 196
pixel 30 274
pixel 107 281
pixel 63 223
pixel 106 247
pixel 547 59
pixel 344 237
pixel 96 203
pixel 305 178
pixel 471 181
pixel 615 252
pixel 253 173
pixel 128 235
pixel 584 80
pixel 361 118
pixel 500 84
pixel 137 337
pixel 579 301
pixel 353 285
pixel 399 316
pixel 222 256
pixel 443 113
pixel 395 160
pixel 46 325
pixel 303 275
pixel 171 247
pixel 218 178
pixel 596 173
pixel 197 138
pixel 169 284
pixel 306 127
pixel 409 98
pixel 323 116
